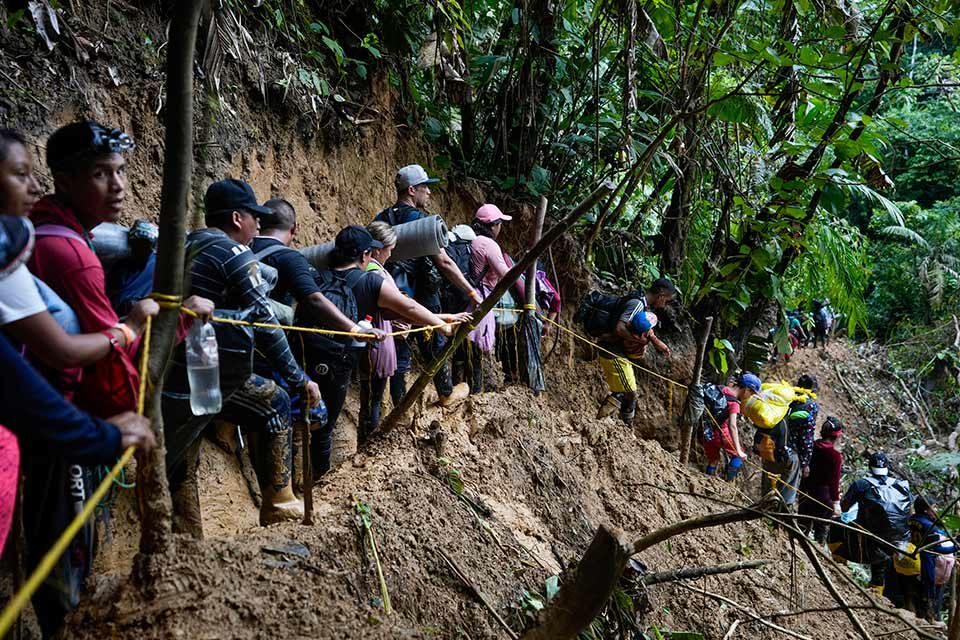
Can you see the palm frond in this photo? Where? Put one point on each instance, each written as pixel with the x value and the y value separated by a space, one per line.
pixel 906 233
pixel 874 196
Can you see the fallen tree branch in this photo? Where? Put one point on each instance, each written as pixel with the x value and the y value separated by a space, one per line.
pixel 698 572
pixel 739 607
pixel 832 588
pixel 801 612
pixel 753 512
pixel 582 597
pixel 476 592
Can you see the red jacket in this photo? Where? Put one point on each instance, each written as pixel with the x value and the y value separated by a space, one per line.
pixel 72 269
pixel 823 483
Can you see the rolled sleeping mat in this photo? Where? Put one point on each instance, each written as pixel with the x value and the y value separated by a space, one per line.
pixel 423 237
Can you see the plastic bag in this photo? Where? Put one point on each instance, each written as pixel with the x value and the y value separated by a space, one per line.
pixel 770 406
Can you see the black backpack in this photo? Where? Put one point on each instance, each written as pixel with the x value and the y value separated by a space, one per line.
pixel 598 312
pixel 337 287
pixel 885 508
pixel 715 401
pixel 452 299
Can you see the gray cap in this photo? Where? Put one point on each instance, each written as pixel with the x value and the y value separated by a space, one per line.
pixel 412 175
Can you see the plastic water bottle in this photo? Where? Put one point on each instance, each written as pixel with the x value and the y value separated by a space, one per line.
pixel 203 369
pixel 366 326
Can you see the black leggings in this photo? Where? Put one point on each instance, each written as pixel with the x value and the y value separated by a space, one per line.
pixel 372 389
pixel 332 375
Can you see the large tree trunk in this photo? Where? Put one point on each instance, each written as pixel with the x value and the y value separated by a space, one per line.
pixel 156 534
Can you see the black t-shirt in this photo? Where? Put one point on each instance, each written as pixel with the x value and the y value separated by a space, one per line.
pixel 367 293
pixel 296 277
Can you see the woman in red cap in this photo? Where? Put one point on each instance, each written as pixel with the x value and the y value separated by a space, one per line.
pixel 820 490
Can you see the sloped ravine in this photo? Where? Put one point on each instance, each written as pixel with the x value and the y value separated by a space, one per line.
pixel 508 487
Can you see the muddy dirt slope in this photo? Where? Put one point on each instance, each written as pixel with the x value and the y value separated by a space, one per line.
pixel 507 488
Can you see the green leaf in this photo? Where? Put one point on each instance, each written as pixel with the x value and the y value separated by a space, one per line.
pixel 952 522
pixel 335 47
pixel 721 59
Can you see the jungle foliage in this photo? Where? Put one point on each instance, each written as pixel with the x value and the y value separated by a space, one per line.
pixel 767 152
pixel 764 150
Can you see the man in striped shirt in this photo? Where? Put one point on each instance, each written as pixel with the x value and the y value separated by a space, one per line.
pixel 224 268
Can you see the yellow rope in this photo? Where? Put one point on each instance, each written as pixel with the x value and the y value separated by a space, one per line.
pixel 171 304
pixel 49 560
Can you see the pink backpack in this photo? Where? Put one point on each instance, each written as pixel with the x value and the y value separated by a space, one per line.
pixel 943 567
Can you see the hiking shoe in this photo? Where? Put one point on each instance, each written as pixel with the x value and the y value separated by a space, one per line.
pixel 460 393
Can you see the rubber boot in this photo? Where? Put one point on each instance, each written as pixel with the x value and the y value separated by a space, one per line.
pixel 280 505
pixel 460 393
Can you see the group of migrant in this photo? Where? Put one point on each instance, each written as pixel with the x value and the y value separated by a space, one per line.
pixel 900 536
pixel 73 322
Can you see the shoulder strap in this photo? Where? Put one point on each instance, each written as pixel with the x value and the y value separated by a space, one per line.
pixel 59 231
pixel 623 307
pixel 354 276
pixel 270 250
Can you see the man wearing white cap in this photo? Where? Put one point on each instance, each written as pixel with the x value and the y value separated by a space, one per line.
pixel 420 277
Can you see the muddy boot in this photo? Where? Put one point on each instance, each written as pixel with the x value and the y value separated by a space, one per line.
pixel 186 499
pixel 279 503
pixel 279 506
pixel 460 393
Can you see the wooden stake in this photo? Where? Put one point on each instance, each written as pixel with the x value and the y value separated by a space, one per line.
pixel 306 466
pixel 686 435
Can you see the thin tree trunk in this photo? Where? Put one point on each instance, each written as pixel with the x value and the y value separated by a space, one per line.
pixel 688 426
pixel 156 533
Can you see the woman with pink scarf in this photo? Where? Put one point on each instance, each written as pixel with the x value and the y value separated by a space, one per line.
pixel 488 265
